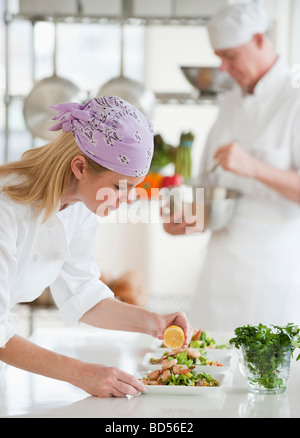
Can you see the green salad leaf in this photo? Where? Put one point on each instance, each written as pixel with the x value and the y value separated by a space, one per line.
pixel 205 341
pixel 182 359
pixel 192 378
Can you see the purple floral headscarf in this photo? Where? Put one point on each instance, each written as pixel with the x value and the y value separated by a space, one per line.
pixel 111 132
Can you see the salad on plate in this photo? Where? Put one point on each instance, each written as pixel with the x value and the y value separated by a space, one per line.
pixel 173 374
pixel 201 339
pixel 187 356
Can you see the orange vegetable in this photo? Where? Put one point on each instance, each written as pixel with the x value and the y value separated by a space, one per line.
pixel 151 181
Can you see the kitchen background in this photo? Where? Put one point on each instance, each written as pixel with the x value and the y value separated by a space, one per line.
pixel 159 37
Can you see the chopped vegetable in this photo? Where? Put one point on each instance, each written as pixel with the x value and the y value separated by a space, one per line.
pixel 163 155
pixel 151 181
pixel 172 181
pixel 201 339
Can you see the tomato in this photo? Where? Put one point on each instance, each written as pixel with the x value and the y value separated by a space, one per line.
pixel 197 335
pixel 171 181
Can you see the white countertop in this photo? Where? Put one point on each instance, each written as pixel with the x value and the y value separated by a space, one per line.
pixel 24 394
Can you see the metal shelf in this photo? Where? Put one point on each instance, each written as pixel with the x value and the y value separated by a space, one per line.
pixel 186 99
pixel 90 19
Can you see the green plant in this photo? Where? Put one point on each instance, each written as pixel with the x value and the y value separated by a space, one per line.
pixel 265 350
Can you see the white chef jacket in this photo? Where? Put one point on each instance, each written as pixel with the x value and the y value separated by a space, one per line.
pixel 60 253
pixel 251 273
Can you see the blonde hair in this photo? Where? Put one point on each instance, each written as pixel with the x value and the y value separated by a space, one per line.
pixel 45 174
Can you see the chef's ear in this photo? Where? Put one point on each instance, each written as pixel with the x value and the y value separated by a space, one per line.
pixel 79 166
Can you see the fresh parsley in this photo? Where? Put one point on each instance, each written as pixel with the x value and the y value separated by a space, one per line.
pixel 264 350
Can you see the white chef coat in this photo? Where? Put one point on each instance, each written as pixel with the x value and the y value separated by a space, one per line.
pixel 251 273
pixel 60 253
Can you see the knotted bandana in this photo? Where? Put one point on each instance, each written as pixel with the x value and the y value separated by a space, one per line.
pixel 111 132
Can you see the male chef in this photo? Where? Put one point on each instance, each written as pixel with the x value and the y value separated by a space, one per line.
pixel 251 273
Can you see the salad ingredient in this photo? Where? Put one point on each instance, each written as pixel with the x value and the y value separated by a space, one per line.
pixel 179 375
pixel 165 375
pixel 163 154
pixel 172 181
pixel 151 181
pixel 265 351
pixel 167 364
pixel 201 339
pixel 187 357
pixel 154 375
pixel 197 334
pixel 193 354
pixel 173 337
pixel 183 161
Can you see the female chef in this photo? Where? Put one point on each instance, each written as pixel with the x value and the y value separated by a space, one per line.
pixel 48 230
pixel 251 273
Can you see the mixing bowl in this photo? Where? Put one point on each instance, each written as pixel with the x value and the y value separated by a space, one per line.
pixel 219 207
pixel 208 80
pixel 213 206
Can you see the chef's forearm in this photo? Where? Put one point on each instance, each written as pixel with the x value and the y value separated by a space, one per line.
pixel 23 354
pixel 113 314
pixel 285 182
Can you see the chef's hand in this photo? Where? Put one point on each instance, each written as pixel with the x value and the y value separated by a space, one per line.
pixel 102 381
pixel 233 158
pixel 180 319
pixel 177 226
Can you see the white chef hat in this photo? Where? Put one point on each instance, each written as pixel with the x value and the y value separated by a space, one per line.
pixel 235 25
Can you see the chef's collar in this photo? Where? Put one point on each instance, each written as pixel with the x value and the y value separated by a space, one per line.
pixel 267 81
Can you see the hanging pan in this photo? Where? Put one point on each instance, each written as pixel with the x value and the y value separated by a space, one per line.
pixel 48 91
pixel 132 91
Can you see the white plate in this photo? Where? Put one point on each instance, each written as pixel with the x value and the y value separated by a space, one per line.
pixel 185 390
pixel 223 358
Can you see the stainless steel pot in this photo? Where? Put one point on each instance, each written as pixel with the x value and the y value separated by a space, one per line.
pixel 48 91
pixel 132 91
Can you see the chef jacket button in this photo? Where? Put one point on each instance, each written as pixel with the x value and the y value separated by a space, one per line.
pixel 35 257
pixel 57 255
